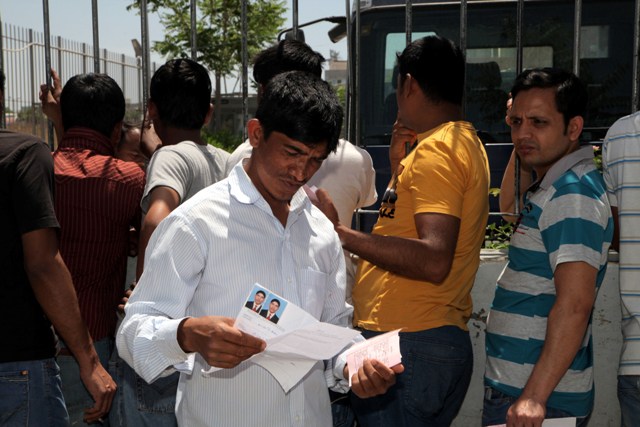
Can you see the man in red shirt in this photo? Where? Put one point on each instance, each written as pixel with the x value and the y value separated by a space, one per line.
pixel 97 202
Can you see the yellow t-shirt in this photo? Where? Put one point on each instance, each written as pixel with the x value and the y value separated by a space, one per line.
pixel 446 173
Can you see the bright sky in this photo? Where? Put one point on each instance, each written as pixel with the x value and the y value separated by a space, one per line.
pixel 71 19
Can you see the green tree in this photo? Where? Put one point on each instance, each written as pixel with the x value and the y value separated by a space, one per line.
pixel 218 31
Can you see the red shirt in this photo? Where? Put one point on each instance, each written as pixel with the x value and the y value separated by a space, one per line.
pixel 97 200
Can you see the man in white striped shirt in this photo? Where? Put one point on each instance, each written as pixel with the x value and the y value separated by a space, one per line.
pixel 204 258
pixel 621 164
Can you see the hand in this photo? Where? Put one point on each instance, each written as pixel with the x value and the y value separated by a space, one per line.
pixel 526 412
pixel 373 378
pixel 216 339
pixel 325 204
pixel 50 98
pixel 101 387
pixel 125 298
pixel 149 139
pixel 401 136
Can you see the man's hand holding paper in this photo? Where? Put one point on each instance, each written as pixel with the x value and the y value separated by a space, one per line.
pixel 220 343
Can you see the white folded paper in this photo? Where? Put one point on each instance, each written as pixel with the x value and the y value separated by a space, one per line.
pixel 296 340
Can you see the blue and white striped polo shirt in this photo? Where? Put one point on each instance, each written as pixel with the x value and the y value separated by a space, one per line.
pixel 567 218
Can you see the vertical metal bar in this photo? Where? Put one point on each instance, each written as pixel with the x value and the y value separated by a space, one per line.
pixel 32 83
pixel 194 32
pixel 59 64
pixel 356 86
pixel 463 47
pixel 577 23
pixel 295 19
pixel 3 120
pixel 47 62
pixel 519 35
pixel 144 27
pixel 84 58
pixel 408 22
pixel 122 75
pixel 245 74
pixel 96 39
pixel 350 76
pixel 519 67
pixel 635 100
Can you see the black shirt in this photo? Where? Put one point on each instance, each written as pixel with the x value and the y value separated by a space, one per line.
pixel 26 204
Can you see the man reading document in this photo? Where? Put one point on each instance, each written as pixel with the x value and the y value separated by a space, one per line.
pixel 256 226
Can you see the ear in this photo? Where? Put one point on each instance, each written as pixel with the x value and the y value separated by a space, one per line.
pixel 207 118
pixel 255 132
pixel 574 128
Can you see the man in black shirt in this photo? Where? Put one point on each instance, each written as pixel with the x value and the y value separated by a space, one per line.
pixel 35 292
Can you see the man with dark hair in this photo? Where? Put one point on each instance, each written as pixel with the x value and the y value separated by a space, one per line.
pixel 37 292
pixel 538 340
pixel 418 265
pixel 287 55
pixel 180 317
pixel 97 202
pixel 270 313
pixel 256 304
pixel 347 174
pixel 179 105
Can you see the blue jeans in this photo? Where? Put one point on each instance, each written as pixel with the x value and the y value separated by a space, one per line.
pixel 496 405
pixel 629 397
pixel 75 394
pixel 30 394
pixel 438 365
pixel 341 410
pixel 138 403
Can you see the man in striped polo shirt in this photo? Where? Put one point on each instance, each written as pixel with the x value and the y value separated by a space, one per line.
pixel 621 163
pixel 538 342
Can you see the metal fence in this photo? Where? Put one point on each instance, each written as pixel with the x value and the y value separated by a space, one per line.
pixel 23 61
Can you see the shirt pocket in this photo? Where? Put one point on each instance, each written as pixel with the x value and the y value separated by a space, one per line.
pixel 313 287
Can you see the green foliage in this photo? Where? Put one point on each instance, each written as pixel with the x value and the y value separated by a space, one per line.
pixel 498 235
pixel 218 30
pixel 597 157
pixel 223 139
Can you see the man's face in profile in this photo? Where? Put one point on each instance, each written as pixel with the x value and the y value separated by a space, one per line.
pixel 259 298
pixel 273 307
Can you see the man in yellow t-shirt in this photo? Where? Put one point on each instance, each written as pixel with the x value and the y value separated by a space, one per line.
pixel 419 264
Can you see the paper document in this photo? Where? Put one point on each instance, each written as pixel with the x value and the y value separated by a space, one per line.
pixel 384 347
pixel 552 422
pixel 296 340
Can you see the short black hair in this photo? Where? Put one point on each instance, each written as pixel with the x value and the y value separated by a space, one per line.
pixel 287 55
pixel 93 101
pixel 260 292
pixel 181 91
pixel 571 93
pixel 276 301
pixel 303 107
pixel 437 64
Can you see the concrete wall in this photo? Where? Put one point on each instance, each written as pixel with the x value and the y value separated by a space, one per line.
pixel 606 334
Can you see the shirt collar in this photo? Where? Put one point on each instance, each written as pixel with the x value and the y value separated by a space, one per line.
pixel 85 138
pixel 566 163
pixel 242 189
